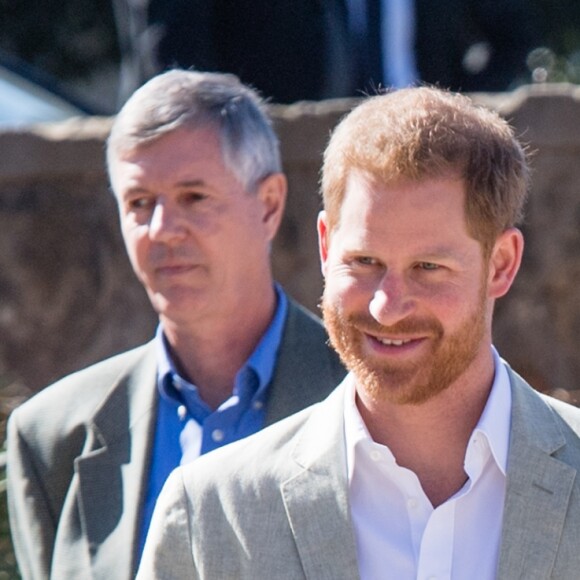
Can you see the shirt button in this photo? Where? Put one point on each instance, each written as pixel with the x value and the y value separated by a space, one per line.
pixel 258 405
pixel 412 503
pixel 376 455
pixel 217 435
pixel 181 412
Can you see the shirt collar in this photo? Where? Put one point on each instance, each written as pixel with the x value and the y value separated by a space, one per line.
pixel 261 361
pixel 494 422
pixel 355 430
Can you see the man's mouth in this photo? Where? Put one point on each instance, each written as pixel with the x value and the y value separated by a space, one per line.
pixel 393 342
pixel 168 269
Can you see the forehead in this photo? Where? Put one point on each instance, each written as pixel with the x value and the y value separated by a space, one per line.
pixel 180 154
pixel 195 143
pixel 403 210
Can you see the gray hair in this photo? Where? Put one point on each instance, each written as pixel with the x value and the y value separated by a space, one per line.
pixel 189 99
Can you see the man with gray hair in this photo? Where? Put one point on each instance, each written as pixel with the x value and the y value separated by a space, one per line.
pixel 195 167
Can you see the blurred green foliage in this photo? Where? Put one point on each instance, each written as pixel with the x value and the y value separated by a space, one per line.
pixel 558 59
pixel 8 569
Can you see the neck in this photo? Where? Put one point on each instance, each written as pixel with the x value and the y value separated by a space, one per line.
pixel 431 438
pixel 211 353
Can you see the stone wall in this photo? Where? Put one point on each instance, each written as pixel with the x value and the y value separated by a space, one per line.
pixel 68 296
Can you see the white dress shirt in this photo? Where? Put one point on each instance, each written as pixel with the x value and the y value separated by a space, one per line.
pixel 398 534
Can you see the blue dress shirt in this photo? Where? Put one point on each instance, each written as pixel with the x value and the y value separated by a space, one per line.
pixel 187 428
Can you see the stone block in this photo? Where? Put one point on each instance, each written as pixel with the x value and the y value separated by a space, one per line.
pixel 68 296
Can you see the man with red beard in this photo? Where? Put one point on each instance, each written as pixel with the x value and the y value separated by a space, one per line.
pixel 433 459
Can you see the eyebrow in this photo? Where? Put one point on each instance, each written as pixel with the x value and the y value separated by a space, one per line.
pixel 445 253
pixel 441 252
pixel 191 183
pixel 138 189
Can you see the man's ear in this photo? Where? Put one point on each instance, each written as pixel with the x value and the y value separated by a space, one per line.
pixel 272 192
pixel 504 262
pixel 323 240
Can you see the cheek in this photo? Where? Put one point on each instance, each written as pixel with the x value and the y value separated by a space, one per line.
pixel 204 224
pixel 247 237
pixel 128 223
pixel 455 305
pixel 135 242
pixel 216 225
pixel 347 293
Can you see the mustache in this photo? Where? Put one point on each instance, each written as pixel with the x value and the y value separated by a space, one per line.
pixel 162 253
pixel 367 324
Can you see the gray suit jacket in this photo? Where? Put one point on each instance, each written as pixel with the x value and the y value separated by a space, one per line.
pixel 275 506
pixel 78 453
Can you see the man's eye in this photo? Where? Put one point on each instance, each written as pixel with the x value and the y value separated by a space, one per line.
pixel 428 266
pixel 365 261
pixel 138 203
pixel 194 197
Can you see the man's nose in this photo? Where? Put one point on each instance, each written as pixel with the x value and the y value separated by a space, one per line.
pixel 392 300
pixel 166 223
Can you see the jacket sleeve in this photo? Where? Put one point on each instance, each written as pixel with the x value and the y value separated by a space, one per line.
pixel 32 523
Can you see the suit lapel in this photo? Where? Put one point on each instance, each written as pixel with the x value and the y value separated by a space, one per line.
pixel 111 474
pixel 538 489
pixel 316 498
pixel 307 370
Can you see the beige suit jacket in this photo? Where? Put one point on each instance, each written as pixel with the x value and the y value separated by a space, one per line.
pixel 275 506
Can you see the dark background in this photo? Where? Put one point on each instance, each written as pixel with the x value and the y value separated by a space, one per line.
pixel 82 48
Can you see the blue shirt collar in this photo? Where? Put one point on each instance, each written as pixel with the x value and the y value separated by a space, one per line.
pixel 261 361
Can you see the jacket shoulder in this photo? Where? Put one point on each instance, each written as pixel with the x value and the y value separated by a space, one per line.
pixel 248 461
pixel 307 367
pixel 75 398
pixel 547 422
pixel 276 452
pixel 567 412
